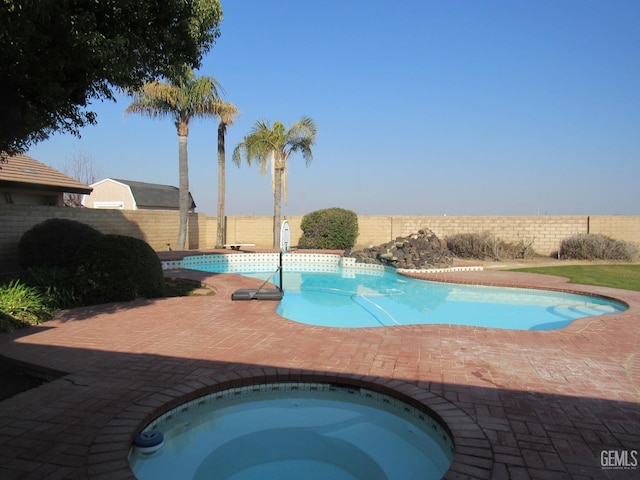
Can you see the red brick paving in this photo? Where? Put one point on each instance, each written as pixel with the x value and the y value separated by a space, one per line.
pixel 519 404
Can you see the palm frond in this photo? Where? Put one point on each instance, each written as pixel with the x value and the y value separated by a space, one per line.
pixel 227 112
pixel 271 146
pixel 148 110
pixel 183 97
pixel 236 156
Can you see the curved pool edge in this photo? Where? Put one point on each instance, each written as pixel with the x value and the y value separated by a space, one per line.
pixel 533 281
pixel 462 275
pixel 473 453
pixel 298 430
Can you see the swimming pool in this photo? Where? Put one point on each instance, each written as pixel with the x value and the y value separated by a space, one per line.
pixel 296 430
pixel 332 295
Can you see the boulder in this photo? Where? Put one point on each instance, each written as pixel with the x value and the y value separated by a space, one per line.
pixel 417 251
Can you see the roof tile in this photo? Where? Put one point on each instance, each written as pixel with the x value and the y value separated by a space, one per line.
pixel 21 170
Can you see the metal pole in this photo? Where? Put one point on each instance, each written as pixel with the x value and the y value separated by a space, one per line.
pixel 281 286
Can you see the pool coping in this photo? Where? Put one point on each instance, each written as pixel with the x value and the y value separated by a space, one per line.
pixel 472 450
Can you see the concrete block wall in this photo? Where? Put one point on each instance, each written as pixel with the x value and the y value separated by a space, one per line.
pixel 201 233
pixel 546 232
pixel 157 227
pixel 259 229
pixel 620 227
pixel 376 229
pixel 250 229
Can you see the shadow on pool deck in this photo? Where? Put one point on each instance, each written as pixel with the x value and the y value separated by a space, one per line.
pixel 519 404
pixel 14 380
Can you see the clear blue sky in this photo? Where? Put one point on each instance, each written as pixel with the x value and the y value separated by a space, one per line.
pixel 423 107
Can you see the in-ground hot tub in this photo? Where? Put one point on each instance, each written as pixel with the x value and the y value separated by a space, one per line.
pixel 296 430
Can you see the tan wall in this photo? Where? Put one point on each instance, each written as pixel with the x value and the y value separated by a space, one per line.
pixel 159 228
pixel 625 228
pixel 259 229
pixel 250 229
pixel 546 232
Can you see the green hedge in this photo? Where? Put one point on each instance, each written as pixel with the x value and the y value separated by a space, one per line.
pixel 68 264
pixel 331 228
pixel 115 268
pixel 54 243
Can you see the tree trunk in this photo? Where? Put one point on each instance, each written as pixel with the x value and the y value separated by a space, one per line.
pixel 277 200
pixel 220 232
pixel 183 163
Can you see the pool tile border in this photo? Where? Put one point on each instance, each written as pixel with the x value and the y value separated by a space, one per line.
pixel 472 450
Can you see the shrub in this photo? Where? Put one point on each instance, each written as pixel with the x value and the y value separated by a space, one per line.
pixel 54 283
pixel 597 247
pixel 21 305
pixel 483 246
pixel 114 268
pixel 54 243
pixel 9 324
pixel 331 228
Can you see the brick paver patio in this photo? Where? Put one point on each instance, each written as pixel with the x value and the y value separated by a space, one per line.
pixel 519 404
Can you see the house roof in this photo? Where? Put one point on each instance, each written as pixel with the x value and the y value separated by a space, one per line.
pixel 152 195
pixel 22 171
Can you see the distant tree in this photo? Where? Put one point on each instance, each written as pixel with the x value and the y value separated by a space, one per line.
pixel 272 146
pixel 56 56
pixel 82 167
pixel 226 113
pixel 182 98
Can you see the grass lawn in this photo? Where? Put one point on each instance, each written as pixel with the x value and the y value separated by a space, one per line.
pixel 626 277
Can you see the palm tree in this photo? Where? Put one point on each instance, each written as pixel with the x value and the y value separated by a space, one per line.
pixel 272 146
pixel 181 98
pixel 227 113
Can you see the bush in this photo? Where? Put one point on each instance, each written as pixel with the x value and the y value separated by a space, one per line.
pixel 597 247
pixel 54 283
pixel 21 305
pixel 9 324
pixel 331 228
pixel 483 246
pixel 114 268
pixel 54 243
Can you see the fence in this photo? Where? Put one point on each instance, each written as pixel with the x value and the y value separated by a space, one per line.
pixel 546 232
pixel 159 228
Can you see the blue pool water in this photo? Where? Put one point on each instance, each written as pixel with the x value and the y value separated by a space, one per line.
pixel 355 298
pixel 284 431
